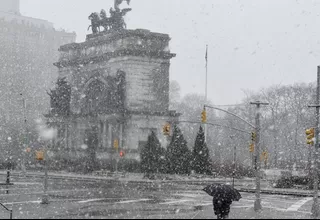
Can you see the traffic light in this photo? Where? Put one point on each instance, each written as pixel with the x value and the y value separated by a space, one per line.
pixel 116 144
pixel 166 129
pixel 204 116
pixel 251 147
pixel 253 136
pixel 39 155
pixel 310 136
pixel 121 153
pixel 264 155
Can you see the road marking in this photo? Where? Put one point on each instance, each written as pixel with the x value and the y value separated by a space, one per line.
pixel 25 202
pixel 298 204
pixel 12 189
pixel 242 206
pixel 177 201
pixel 131 201
pixel 275 208
pixel 27 183
pixel 187 195
pixel 204 204
pixel 91 200
pixel 39 201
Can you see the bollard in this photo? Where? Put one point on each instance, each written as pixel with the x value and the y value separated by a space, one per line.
pixel 8 177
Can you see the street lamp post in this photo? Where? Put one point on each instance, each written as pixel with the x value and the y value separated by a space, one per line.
pixel 234 160
pixel 24 145
pixel 315 206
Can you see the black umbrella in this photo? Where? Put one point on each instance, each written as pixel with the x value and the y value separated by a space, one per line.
pixel 222 191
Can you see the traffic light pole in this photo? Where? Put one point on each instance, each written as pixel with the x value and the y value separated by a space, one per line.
pixel 230 113
pixel 45 197
pixel 315 206
pixel 257 162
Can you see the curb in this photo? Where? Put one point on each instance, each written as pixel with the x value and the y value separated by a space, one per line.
pixel 276 192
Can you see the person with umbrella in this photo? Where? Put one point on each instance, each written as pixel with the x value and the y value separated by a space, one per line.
pixel 223 195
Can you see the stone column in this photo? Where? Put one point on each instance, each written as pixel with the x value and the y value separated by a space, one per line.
pixel 100 136
pixel 66 134
pixel 109 142
pixel 121 136
pixel 104 135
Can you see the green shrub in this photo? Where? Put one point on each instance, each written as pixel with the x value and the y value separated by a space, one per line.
pixel 129 165
pixel 226 170
pixel 284 182
pixel 301 180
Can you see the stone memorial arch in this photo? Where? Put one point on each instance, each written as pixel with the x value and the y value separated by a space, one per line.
pixel 119 82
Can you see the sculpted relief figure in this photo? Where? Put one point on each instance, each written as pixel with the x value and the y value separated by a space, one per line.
pixel 114 22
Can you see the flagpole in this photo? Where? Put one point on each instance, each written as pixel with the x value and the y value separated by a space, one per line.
pixel 206 92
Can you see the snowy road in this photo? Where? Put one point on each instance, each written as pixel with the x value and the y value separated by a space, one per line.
pixel 110 199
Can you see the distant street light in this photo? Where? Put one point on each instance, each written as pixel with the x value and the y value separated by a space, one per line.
pixel 234 159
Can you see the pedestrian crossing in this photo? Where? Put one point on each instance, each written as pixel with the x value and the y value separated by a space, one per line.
pixel 277 202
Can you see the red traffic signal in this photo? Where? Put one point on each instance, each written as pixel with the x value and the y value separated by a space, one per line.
pixel 121 153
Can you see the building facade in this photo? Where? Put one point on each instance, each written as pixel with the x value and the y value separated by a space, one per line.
pixel 28 48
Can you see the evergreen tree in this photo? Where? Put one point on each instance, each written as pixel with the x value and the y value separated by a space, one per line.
pixel 201 159
pixel 178 155
pixel 152 156
pixel 60 98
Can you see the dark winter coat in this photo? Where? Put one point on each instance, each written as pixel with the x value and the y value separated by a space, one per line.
pixel 221 207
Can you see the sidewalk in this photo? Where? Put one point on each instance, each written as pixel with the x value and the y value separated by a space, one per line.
pixel 243 185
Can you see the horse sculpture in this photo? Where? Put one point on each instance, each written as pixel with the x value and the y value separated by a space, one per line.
pixel 114 22
pixel 95 22
pixel 104 20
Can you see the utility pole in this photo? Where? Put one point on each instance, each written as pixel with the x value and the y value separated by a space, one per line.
pixel 315 206
pixel 257 162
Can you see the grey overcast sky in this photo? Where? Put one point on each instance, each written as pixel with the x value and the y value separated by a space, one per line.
pixel 252 43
